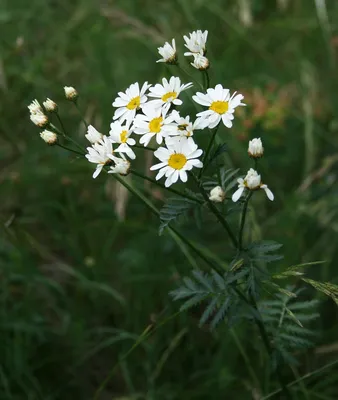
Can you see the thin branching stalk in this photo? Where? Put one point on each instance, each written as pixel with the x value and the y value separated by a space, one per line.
pixel 207 79
pixel 69 149
pixel 206 154
pixel 241 228
pixel 138 146
pixel 179 66
pixel 80 113
pixel 64 133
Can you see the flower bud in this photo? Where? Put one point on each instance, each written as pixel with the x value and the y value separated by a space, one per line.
pixel 217 195
pixel 252 179
pixel 168 53
pixel 49 137
pixel 200 62
pixel 50 105
pixel 39 119
pixel 93 135
pixel 256 148
pixel 71 93
pixel 121 166
pixel 35 107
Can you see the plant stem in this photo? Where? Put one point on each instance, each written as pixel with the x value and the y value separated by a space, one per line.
pixel 215 211
pixel 189 75
pixel 138 146
pixel 67 148
pixel 244 212
pixel 64 133
pixel 147 178
pixel 79 111
pixel 206 154
pixel 207 79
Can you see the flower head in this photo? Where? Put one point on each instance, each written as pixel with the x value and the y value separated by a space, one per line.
pixel 256 148
pixel 39 119
pixel 168 53
pixel 71 93
pixel 167 94
pixel 252 181
pixel 93 135
pixel 217 195
pixel 49 137
pixel 35 107
pixel 196 42
pixel 121 134
pixel 50 105
pixel 153 123
pixel 100 153
pixel 200 62
pixel 121 166
pixel 176 160
pixel 221 106
pixel 181 128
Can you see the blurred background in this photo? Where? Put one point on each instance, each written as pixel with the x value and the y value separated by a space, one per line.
pixel 83 271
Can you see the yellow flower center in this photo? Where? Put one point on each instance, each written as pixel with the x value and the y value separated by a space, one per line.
pixel 155 125
pixel 134 103
pixel 177 161
pixel 220 107
pixel 169 96
pixel 124 136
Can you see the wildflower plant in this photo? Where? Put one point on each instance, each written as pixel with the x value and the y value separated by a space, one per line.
pixel 152 117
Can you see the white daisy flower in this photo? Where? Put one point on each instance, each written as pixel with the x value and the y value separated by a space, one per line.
pixel 176 160
pixel 71 93
pixel 256 149
pixel 39 119
pixel 183 130
pixel 129 102
pixel 200 62
pixel 121 134
pixel 196 42
pixel 50 105
pixel 217 194
pixel 49 137
pixel 121 166
pixel 93 135
pixel 168 53
pixel 221 106
pixel 100 153
pixel 167 93
pixel 153 123
pixel 252 181
pixel 35 107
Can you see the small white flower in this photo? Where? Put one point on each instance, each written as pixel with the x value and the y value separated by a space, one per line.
pixel 181 129
pixel 49 137
pixel 35 107
pixel 71 93
pixel 121 134
pixel 256 148
pixel 200 62
pixel 252 181
pixel 100 153
pixel 121 166
pixel 221 106
pixel 217 195
pixel 93 135
pixel 168 53
pixel 50 105
pixel 39 119
pixel 196 42
pixel 167 93
pixel 129 102
pixel 176 160
pixel 153 123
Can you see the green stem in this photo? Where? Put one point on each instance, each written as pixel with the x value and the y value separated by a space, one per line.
pixel 138 146
pixel 189 75
pixel 80 113
pixel 207 79
pixel 206 154
pixel 64 133
pixel 147 178
pixel 215 211
pixel 244 212
pixel 67 148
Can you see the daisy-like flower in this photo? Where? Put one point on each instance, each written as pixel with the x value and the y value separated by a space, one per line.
pixel 200 62
pixel 184 128
pixel 100 153
pixel 129 102
pixel 71 93
pixel 121 166
pixel 39 119
pixel 168 53
pixel 153 123
pixel 50 105
pixel 196 42
pixel 167 93
pixel 176 160
pixel 252 181
pixel 93 135
pixel 256 148
pixel 49 137
pixel 35 107
pixel 221 106
pixel 121 134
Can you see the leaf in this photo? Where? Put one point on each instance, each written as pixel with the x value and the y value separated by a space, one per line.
pixel 329 289
pixel 220 149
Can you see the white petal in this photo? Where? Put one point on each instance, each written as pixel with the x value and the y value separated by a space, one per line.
pixel 237 194
pixel 268 192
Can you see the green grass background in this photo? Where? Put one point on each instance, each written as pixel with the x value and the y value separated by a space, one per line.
pixel 83 272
